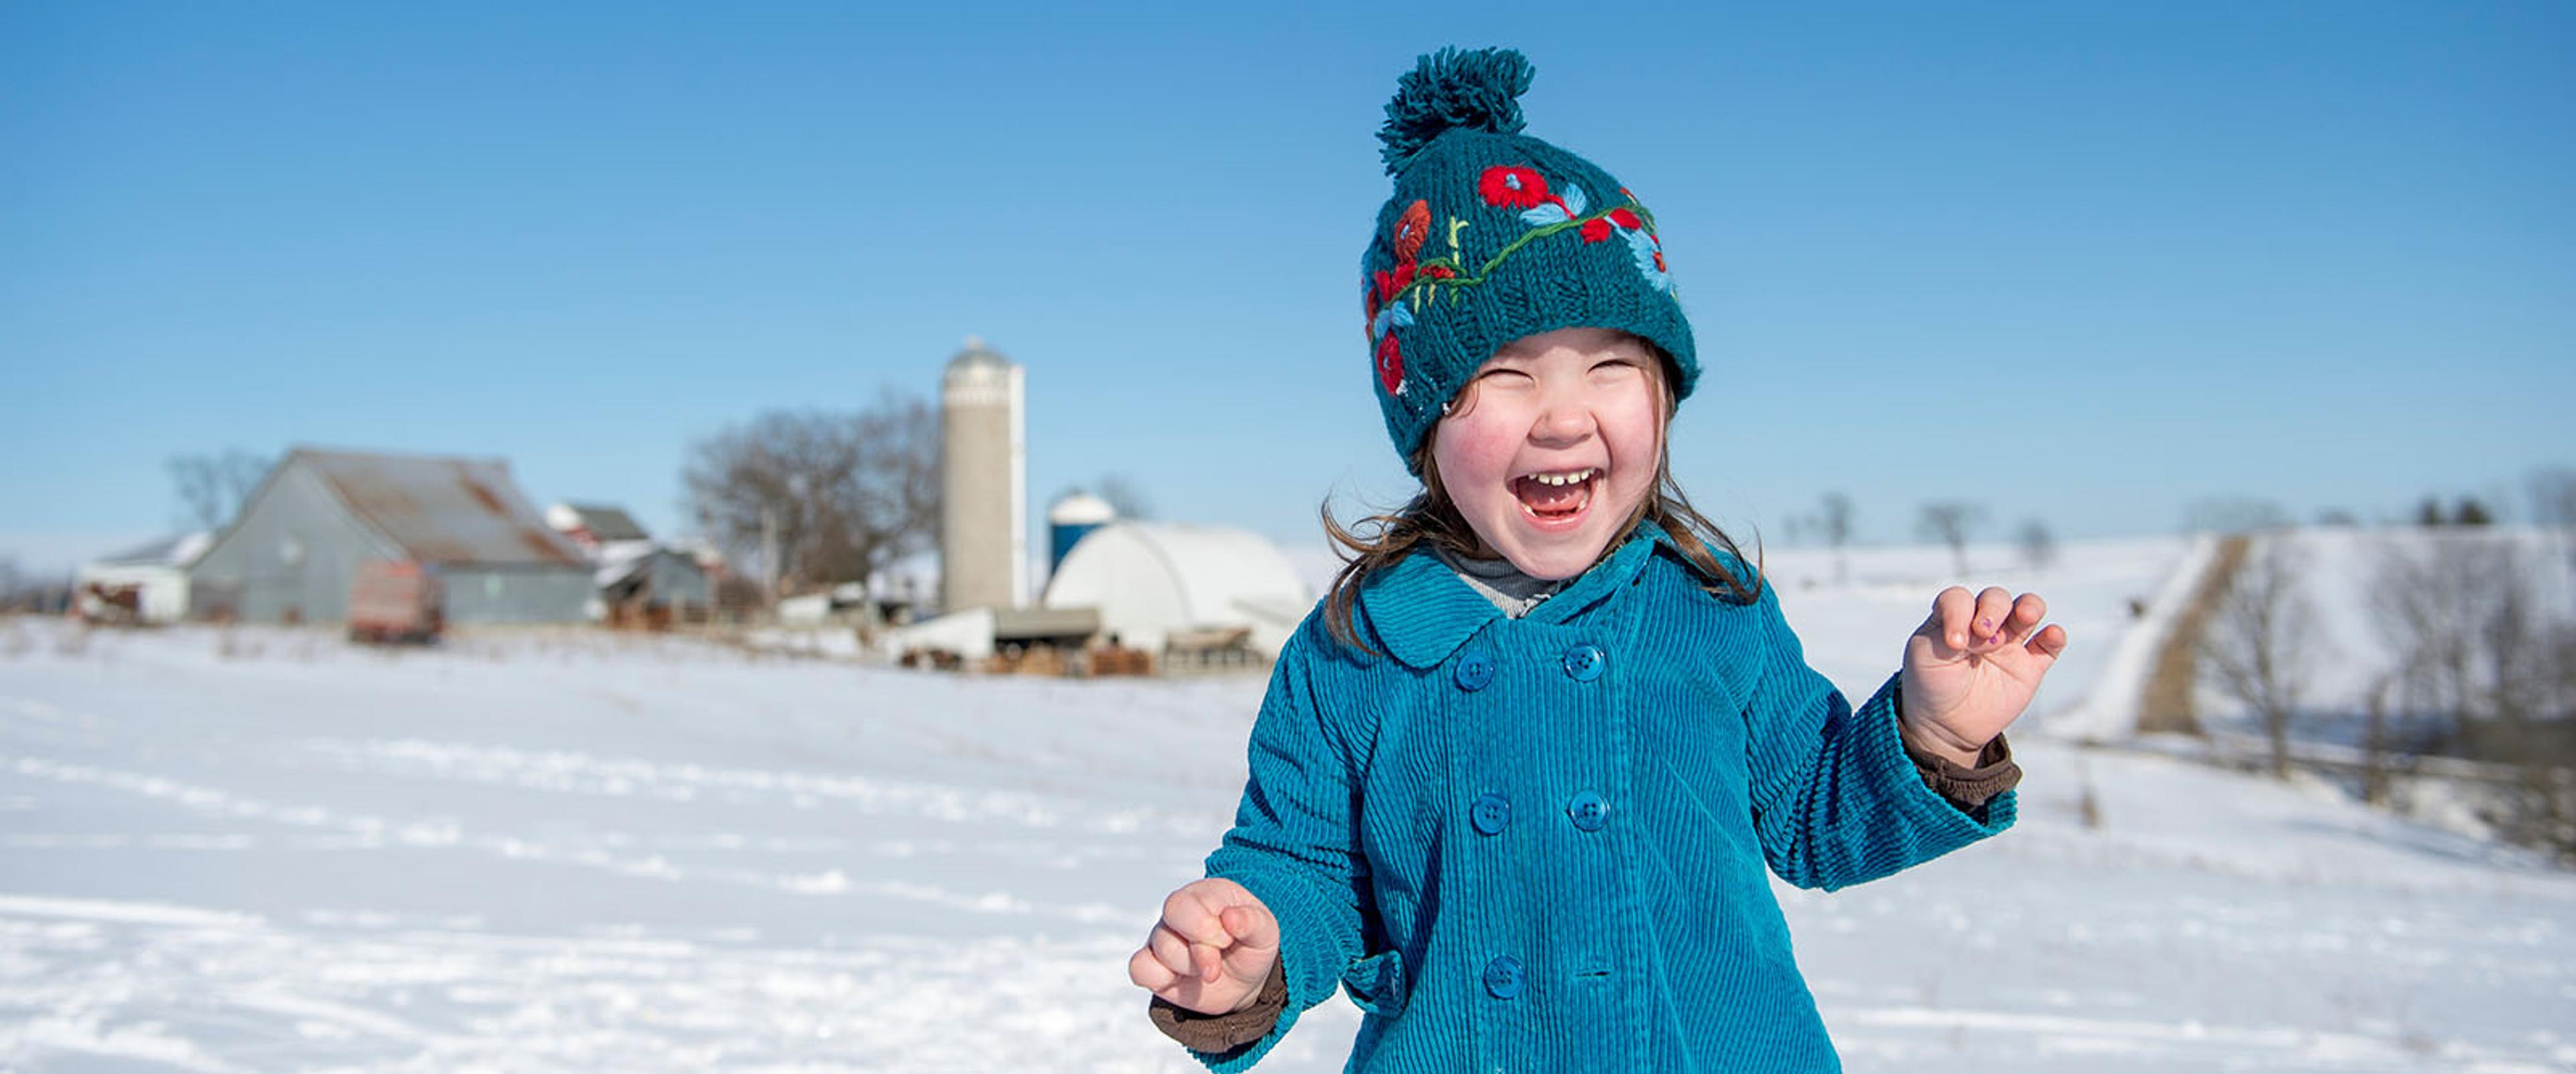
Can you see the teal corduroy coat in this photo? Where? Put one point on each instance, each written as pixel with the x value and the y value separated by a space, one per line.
pixel 1540 844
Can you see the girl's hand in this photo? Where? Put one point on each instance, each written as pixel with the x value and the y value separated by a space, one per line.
pixel 1972 667
pixel 1212 950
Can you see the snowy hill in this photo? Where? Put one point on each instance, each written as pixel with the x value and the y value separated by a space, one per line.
pixel 265 850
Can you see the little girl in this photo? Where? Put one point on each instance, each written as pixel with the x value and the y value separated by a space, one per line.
pixel 1517 780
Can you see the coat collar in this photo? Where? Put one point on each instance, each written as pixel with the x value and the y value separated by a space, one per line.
pixel 1423 611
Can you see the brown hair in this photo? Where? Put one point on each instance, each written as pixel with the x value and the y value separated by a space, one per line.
pixel 1432 520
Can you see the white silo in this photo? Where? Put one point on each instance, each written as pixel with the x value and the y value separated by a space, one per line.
pixel 983 471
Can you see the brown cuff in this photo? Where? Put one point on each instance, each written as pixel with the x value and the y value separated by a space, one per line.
pixel 1969 788
pixel 1225 1032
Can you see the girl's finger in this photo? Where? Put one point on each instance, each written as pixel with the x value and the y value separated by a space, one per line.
pixel 1210 962
pixel 2027 610
pixel 1950 613
pixel 2048 644
pixel 1173 952
pixel 1252 927
pixel 1148 971
pixel 1994 607
pixel 1186 913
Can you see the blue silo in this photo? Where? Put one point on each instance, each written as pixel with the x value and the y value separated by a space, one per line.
pixel 1077 513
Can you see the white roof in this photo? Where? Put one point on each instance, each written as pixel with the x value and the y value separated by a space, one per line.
pixel 1080 509
pixel 179 551
pixel 977 357
pixel 1152 578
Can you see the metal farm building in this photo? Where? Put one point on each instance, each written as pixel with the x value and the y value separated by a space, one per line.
pixel 290 557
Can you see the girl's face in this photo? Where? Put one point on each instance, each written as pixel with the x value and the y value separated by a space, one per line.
pixel 1553 445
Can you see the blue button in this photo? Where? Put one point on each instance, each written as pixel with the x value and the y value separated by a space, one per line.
pixel 1475 669
pixel 1588 810
pixel 1585 662
pixel 1504 977
pixel 1492 813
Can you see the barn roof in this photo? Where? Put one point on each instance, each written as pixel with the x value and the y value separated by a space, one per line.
pixel 177 551
pixel 606 523
pixel 442 510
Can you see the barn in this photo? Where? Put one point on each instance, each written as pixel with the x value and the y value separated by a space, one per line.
pixel 291 554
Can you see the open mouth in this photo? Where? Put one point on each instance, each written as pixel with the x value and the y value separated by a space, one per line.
pixel 1556 497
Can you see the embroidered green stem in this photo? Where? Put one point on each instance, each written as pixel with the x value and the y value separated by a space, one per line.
pixel 1427 283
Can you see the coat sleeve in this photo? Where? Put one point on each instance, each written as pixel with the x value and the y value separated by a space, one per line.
pixel 1295 843
pixel 1836 798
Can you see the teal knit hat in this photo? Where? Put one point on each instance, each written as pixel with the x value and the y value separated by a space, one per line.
pixel 1493 235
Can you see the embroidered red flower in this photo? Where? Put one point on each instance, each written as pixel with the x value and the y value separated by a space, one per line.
pixel 1389 283
pixel 1513 187
pixel 1596 230
pixel 1411 230
pixel 1626 218
pixel 1437 272
pixel 1390 365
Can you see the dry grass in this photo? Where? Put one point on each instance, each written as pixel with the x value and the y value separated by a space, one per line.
pixel 2167 707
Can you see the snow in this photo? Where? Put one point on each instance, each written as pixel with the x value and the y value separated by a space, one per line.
pixel 569 851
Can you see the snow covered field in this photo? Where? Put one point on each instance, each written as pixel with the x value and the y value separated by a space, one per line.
pixel 267 851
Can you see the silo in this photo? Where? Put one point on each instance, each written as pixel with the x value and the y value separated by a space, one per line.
pixel 983 470
pixel 1075 514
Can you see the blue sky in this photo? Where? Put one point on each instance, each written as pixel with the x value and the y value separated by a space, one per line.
pixel 2084 263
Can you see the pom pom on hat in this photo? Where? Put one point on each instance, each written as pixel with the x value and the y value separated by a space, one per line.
pixel 1451 89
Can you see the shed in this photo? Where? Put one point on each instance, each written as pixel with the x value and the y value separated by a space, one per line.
pixel 155 575
pixel 644 577
pixel 1152 580
pixel 290 555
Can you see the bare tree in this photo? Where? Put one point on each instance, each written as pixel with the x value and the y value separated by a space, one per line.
pixel 2038 545
pixel 2376 751
pixel 2479 649
pixel 828 497
pixel 1836 520
pixel 2434 595
pixel 213 488
pixel 2553 496
pixel 1122 495
pixel 2553 506
pixel 2260 643
pixel 1949 521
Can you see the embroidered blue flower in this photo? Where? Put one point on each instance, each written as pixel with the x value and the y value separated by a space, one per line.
pixel 1395 315
pixel 1649 251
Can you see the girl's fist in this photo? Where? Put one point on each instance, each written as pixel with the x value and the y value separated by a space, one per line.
pixel 1211 952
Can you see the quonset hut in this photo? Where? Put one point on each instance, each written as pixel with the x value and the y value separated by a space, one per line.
pixel 290 556
pixel 1156 581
